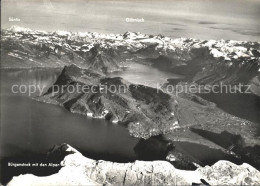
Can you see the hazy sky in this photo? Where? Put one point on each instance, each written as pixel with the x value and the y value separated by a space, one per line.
pixel 203 19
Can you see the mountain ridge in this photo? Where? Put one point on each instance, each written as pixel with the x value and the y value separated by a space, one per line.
pixel 81 170
pixel 202 61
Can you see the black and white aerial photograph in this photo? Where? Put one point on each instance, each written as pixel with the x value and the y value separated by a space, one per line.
pixel 130 92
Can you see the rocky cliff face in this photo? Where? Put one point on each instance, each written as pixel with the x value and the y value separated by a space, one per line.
pixel 144 110
pixel 148 112
pixel 103 59
pixel 79 170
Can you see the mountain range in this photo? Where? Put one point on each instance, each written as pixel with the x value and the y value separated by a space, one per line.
pixel 202 61
pixel 87 59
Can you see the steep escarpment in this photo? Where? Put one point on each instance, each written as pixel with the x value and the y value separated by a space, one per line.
pixel 80 170
pixel 103 59
pixel 83 87
pixel 144 110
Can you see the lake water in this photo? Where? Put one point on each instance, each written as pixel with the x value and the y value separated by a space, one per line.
pixel 35 127
pixel 242 105
pixel 145 75
pixel 29 128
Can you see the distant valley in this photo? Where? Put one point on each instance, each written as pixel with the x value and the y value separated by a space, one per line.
pixel 150 114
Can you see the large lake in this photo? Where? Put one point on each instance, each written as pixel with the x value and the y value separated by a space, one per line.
pixel 30 128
